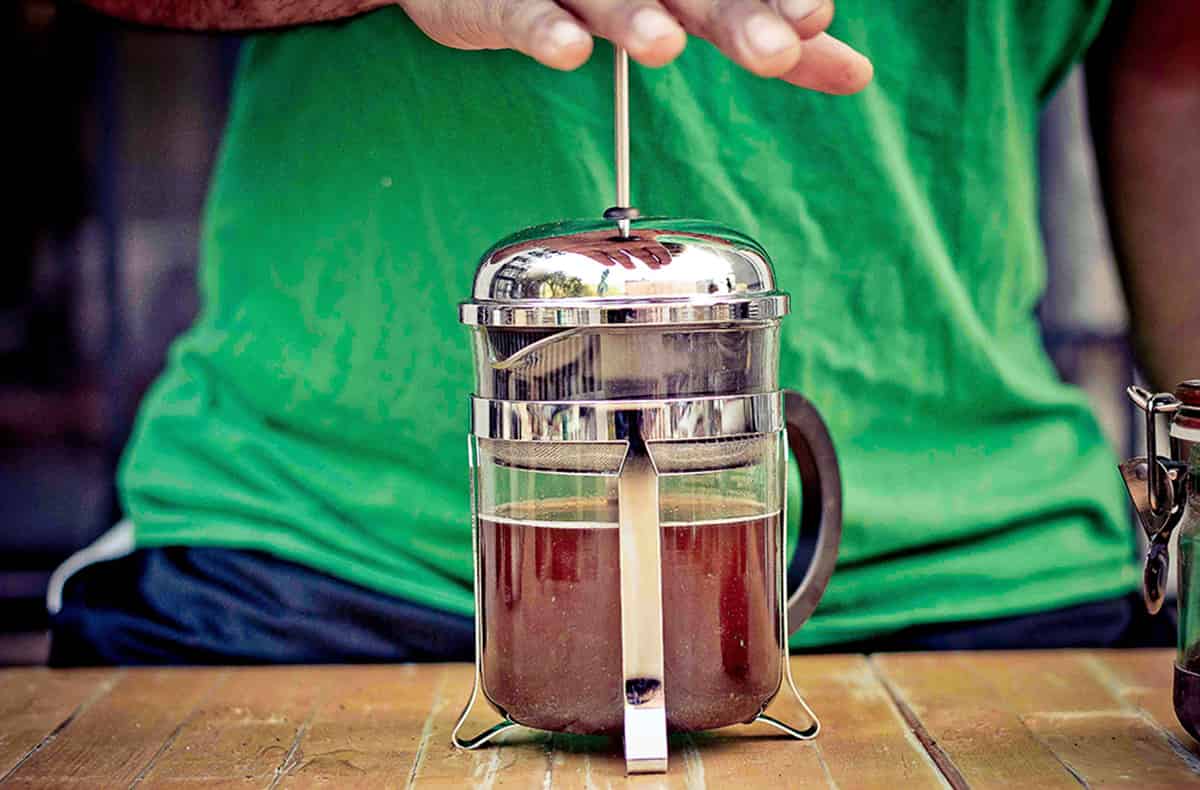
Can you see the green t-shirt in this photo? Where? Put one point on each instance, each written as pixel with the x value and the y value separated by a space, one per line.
pixel 317 409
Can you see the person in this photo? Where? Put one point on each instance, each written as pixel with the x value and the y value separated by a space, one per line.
pixel 296 485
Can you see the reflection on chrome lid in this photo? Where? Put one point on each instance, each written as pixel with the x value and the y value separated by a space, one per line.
pixel 582 273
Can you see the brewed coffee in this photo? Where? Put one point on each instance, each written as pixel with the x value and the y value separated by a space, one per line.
pixel 1186 696
pixel 552 614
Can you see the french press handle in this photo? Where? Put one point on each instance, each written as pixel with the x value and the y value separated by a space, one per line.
pixel 821 510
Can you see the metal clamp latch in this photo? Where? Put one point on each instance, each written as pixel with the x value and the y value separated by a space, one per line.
pixel 1156 486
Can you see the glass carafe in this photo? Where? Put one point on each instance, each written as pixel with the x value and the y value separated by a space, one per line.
pixel 628 443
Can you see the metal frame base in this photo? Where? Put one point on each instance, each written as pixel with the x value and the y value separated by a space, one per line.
pixel 806 734
pixel 481 738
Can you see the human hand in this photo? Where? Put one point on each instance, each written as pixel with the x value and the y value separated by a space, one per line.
pixel 772 38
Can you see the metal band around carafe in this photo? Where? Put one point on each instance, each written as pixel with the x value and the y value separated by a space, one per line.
pixel 610 421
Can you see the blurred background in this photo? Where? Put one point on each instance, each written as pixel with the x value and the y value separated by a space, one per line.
pixel 117 136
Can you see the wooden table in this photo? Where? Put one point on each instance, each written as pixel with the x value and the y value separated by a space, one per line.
pixel 1053 719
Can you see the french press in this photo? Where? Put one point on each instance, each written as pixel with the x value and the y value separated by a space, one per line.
pixel 1165 491
pixel 628 449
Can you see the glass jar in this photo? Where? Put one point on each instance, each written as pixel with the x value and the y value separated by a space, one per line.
pixel 1165 491
pixel 1185 434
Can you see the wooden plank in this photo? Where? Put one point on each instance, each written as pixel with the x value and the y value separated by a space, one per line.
pixel 521 759
pixel 36 703
pixel 370 728
pixel 970 723
pixel 864 744
pixel 1005 718
pixel 1113 750
pixel 114 738
pixel 864 741
pixel 1070 708
pixel 526 758
pixel 757 755
pixel 1142 680
pixel 244 730
pixel 1039 681
pixel 587 763
pixel 999 719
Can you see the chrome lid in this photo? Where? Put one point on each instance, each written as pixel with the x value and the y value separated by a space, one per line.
pixel 583 273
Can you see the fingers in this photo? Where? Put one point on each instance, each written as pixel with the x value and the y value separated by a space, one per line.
pixel 749 32
pixel 807 17
pixel 772 38
pixel 546 32
pixel 830 66
pixel 643 27
pixel 541 29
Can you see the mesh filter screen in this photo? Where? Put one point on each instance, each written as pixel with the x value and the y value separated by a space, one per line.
pixel 709 455
pixel 604 458
pixel 600 458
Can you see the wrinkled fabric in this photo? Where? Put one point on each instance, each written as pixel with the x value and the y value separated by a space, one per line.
pixel 183 605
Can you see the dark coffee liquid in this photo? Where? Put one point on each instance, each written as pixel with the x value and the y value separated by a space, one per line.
pixel 1187 700
pixel 552 621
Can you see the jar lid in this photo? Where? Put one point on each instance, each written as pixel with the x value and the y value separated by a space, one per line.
pixel 584 273
pixel 1188 393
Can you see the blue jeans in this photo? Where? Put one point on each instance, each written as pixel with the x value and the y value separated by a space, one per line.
pixel 184 605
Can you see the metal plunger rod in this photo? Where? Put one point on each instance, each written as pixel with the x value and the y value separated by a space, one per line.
pixel 621 133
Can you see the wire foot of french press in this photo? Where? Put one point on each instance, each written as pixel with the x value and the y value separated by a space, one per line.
pixel 482 737
pixel 805 734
